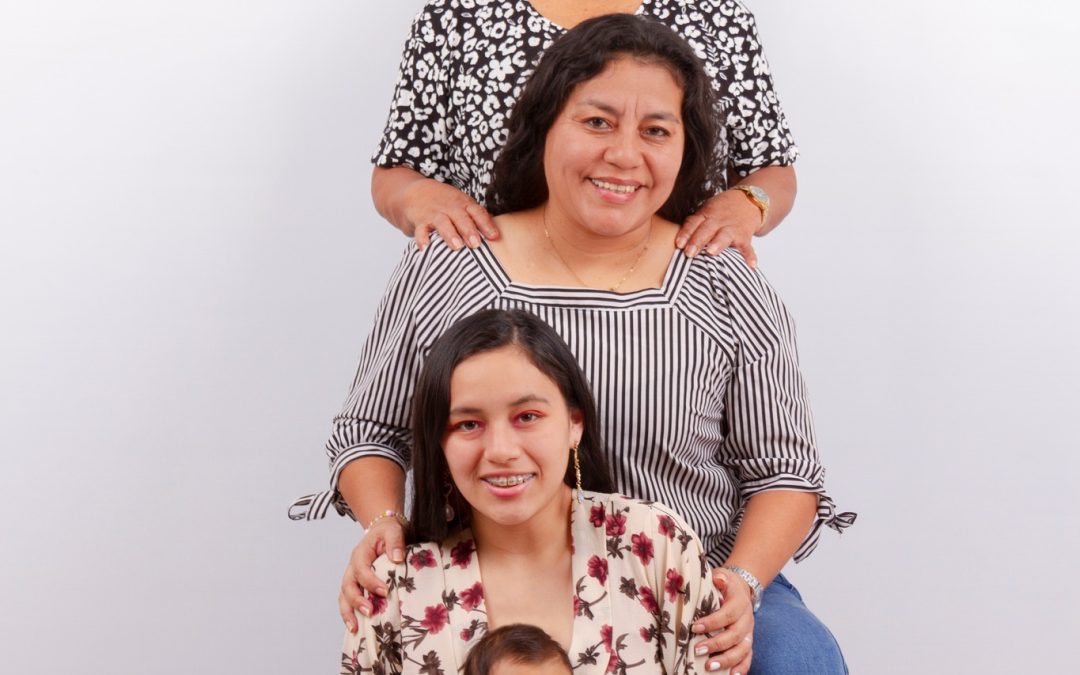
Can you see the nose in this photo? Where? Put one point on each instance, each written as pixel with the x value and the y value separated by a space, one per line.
pixel 501 444
pixel 624 149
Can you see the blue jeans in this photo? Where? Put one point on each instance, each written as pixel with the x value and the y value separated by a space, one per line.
pixel 789 639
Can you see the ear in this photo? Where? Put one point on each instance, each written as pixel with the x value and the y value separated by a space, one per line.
pixel 577 426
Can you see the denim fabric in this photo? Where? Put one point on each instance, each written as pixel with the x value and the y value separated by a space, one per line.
pixel 789 639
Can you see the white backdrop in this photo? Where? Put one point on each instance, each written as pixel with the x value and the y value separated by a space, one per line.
pixel 189 261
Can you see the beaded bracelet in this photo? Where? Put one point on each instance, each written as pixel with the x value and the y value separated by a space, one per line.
pixel 388 514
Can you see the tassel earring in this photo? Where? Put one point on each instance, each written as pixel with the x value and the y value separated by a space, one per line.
pixel 577 473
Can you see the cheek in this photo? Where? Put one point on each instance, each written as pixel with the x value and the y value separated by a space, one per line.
pixel 459 459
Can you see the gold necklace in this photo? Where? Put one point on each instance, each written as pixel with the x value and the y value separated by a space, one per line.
pixel 633 266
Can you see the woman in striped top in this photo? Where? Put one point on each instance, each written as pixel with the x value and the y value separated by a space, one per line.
pixel 692 360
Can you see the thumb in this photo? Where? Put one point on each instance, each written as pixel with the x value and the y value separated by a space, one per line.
pixel 394 542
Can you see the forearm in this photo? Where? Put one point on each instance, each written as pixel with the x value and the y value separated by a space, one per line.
pixel 389 191
pixel 780 184
pixel 371 485
pixel 773 526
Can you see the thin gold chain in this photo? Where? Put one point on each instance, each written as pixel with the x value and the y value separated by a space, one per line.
pixel 633 266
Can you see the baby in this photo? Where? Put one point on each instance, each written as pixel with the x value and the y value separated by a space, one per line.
pixel 517 649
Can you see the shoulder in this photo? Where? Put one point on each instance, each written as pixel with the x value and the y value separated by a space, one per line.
pixel 418 558
pixel 638 514
pixel 729 274
pixel 437 259
pixel 701 13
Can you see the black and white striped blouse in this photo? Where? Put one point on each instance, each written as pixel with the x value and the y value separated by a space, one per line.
pixel 701 401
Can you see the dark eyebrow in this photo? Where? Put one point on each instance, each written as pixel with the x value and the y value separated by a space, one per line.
pixel 527 398
pixel 666 116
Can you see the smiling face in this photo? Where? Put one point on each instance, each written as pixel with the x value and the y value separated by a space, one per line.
pixel 614 151
pixel 508 438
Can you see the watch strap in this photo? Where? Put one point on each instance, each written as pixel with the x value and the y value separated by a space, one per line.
pixel 756 589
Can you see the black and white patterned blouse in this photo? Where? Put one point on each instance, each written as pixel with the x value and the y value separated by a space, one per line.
pixel 466 61
pixel 698 391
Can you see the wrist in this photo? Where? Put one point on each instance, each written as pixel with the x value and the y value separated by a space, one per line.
pixel 388 514
pixel 759 199
pixel 752 583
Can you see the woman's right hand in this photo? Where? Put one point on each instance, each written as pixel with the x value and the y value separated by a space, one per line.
pixel 386 537
pixel 432 206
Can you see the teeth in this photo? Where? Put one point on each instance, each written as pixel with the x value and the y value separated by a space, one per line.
pixel 614 187
pixel 508 481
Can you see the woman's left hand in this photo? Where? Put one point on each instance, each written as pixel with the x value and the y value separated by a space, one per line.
pixel 732 626
pixel 728 219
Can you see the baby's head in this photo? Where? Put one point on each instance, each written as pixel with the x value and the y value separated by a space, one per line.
pixel 517 649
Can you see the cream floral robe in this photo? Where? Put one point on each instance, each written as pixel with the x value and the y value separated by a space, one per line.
pixel 640 580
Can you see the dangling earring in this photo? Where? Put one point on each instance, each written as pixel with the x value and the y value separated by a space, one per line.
pixel 448 509
pixel 577 473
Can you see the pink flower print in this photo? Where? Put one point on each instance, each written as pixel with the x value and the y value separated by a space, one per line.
pixel 648 600
pixel 605 635
pixel 378 604
pixel 674 584
pixel 667 527
pixel 472 596
pixel 421 559
pixel 598 568
pixel 641 546
pixel 616 525
pixel 461 555
pixel 596 515
pixel 435 618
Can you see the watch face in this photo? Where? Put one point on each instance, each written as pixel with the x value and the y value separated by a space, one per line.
pixel 759 194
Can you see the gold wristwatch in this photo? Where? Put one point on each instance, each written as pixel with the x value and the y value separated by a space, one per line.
pixel 757 197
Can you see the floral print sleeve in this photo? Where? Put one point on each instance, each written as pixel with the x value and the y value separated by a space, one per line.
pixel 376 645
pixel 430 618
pixel 645 588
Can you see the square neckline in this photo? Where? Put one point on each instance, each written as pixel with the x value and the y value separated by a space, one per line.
pixel 552 294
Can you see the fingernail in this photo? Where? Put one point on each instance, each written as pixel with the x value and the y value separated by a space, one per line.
pixel 691 250
pixel 715 665
pixel 713 249
pixel 382 590
pixel 492 234
pixel 701 649
pixel 397 555
pixel 456 243
pixel 698 628
pixel 680 242
pixel 366 611
pixel 474 241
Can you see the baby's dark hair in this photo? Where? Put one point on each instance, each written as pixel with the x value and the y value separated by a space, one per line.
pixel 516 643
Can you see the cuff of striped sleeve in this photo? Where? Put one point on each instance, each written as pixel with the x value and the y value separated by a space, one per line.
pixel 315 506
pixel 826 510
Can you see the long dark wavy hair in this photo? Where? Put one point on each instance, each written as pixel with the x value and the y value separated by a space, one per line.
pixel 581 54
pixel 484 332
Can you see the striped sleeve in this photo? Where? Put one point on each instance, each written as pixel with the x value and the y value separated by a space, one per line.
pixel 374 422
pixel 770 442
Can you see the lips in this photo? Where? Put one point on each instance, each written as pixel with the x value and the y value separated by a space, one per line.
pixel 509 481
